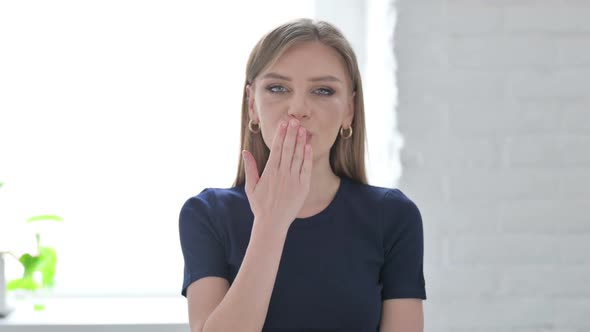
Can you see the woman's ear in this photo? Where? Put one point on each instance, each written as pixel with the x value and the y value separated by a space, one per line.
pixel 248 92
pixel 249 97
pixel 250 100
pixel 351 103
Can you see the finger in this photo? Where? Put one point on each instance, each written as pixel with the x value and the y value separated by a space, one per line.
pixel 274 158
pixel 307 165
pixel 299 150
pixel 289 145
pixel 250 170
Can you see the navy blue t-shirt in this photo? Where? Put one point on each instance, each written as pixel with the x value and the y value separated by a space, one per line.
pixel 337 266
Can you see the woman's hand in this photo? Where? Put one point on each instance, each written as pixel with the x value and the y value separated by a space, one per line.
pixel 278 195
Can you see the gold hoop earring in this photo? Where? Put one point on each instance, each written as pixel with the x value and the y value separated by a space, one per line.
pixel 252 130
pixel 342 132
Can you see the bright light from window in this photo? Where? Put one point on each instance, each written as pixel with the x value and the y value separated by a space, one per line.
pixel 112 114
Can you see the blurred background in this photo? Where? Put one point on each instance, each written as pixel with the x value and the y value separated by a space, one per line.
pixel 494 107
pixel 113 113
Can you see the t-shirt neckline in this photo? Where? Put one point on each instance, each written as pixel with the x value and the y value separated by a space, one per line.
pixel 326 213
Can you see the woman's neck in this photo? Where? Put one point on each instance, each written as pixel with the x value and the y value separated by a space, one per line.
pixel 323 187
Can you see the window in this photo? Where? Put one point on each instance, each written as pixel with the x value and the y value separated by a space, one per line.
pixel 113 113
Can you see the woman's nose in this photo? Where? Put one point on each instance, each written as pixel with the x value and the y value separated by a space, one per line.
pixel 299 107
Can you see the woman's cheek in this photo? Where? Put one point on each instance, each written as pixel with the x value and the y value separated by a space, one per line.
pixel 272 101
pixel 330 104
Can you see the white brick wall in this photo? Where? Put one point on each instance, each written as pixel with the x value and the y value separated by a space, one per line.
pixel 494 107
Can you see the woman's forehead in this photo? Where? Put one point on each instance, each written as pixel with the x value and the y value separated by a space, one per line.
pixel 310 60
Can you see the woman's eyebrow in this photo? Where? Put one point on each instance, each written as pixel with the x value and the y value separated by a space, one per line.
pixel 329 78
pixel 277 76
pixel 313 79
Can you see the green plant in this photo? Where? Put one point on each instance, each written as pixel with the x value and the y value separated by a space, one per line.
pixel 41 263
pixel 39 268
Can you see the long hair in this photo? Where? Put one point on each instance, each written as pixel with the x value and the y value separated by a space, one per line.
pixel 347 156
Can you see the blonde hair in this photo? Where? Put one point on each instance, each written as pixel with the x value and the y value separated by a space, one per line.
pixel 347 156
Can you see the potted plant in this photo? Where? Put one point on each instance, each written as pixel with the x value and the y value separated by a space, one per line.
pixel 38 266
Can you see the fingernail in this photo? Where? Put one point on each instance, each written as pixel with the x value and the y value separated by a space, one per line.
pixel 244 155
pixel 293 123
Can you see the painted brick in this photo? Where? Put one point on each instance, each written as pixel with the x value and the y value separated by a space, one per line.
pixel 503 51
pixel 526 249
pixel 548 216
pixel 494 109
pixel 548 151
pixel 509 184
pixel 548 83
pixel 548 18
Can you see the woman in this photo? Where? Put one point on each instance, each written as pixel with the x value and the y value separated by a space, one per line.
pixel 301 242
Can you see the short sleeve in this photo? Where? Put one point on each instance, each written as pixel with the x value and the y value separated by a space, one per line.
pixel 402 274
pixel 201 243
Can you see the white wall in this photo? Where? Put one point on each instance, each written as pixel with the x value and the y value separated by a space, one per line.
pixel 494 107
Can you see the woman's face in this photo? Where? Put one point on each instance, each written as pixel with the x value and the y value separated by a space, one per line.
pixel 309 82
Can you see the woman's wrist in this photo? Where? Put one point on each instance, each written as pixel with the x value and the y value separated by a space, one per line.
pixel 268 226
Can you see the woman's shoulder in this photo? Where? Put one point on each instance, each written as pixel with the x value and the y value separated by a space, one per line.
pixel 385 195
pixel 390 206
pixel 216 196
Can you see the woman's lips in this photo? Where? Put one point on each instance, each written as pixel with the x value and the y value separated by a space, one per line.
pixel 309 136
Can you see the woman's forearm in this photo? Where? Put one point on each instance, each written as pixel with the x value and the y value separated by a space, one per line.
pixel 245 305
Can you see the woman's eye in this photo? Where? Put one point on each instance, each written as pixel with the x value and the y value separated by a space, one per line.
pixel 324 91
pixel 276 89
